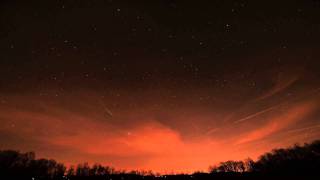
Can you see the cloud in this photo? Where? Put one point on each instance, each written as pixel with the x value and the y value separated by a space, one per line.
pixel 284 79
pixel 77 131
pixel 279 121
pixel 162 148
pixel 147 144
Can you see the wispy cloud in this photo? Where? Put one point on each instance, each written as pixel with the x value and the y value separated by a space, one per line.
pixel 279 121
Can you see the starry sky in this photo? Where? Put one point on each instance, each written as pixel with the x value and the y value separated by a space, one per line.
pixel 164 85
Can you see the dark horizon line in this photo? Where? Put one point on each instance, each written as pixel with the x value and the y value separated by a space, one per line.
pixel 229 166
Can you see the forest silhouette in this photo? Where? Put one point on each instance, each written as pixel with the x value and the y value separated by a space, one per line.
pixel 296 162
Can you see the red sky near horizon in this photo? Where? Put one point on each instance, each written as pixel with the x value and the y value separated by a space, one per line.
pixel 163 85
pixel 83 127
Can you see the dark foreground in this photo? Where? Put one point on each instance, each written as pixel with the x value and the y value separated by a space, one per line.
pixel 295 163
pixel 202 176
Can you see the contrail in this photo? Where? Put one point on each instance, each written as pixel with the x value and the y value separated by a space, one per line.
pixel 315 91
pixel 247 118
pixel 255 114
pixel 212 131
pixel 305 128
pixel 279 87
pixel 274 107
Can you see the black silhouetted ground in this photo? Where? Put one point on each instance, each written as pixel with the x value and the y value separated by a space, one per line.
pixel 297 162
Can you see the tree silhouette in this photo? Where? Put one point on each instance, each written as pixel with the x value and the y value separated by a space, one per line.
pixel 83 169
pixel 297 161
pixel 229 166
pixel 13 163
pixel 71 171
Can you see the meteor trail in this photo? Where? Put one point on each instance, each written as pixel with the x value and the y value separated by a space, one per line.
pixel 107 113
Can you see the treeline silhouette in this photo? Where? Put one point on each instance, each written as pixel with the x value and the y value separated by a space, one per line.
pixel 295 162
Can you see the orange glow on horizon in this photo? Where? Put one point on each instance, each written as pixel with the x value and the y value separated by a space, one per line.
pixel 73 137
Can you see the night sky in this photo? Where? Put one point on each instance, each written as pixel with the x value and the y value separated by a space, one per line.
pixel 162 85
